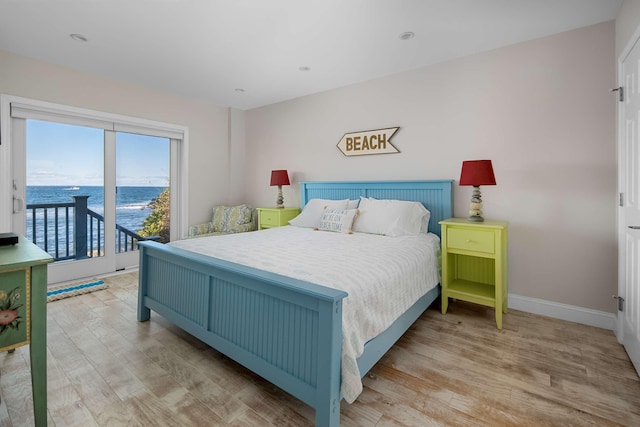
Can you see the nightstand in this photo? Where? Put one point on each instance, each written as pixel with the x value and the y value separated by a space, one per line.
pixel 275 217
pixel 474 263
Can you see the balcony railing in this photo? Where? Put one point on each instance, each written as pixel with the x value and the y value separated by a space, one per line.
pixel 72 231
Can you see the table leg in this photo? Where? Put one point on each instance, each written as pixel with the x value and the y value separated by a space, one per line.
pixel 38 347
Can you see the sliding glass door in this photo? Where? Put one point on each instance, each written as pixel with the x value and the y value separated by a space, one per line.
pixel 87 191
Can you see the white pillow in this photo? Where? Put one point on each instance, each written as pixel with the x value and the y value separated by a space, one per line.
pixel 353 204
pixel 391 217
pixel 312 212
pixel 338 220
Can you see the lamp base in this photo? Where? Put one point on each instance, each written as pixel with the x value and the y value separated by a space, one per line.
pixel 475 208
pixel 280 199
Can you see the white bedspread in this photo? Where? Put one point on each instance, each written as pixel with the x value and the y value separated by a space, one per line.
pixel 383 276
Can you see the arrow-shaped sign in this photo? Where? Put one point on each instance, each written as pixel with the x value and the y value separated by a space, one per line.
pixel 368 142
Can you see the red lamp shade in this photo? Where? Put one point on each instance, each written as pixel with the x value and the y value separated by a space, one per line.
pixel 279 177
pixel 477 173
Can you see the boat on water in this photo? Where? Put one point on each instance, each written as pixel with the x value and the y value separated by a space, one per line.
pixel 72 188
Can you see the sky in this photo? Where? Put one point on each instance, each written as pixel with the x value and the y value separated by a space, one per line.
pixel 60 154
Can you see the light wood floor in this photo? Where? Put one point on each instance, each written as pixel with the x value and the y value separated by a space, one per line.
pixel 107 369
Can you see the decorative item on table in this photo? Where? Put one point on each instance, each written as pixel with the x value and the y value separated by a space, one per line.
pixel 279 178
pixel 476 173
pixel 7 239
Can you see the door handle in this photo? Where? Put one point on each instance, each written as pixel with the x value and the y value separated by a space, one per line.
pixel 20 205
pixel 634 227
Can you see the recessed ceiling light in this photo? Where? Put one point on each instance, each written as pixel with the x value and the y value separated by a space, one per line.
pixel 407 35
pixel 239 90
pixel 78 37
pixel 304 68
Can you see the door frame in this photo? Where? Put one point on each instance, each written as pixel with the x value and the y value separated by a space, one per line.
pixel 179 164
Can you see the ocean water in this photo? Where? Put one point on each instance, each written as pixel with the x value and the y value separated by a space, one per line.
pixel 132 204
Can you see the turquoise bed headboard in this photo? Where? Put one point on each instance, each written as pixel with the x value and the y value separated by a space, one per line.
pixel 435 195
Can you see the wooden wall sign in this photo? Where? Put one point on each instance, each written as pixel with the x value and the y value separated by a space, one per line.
pixel 368 142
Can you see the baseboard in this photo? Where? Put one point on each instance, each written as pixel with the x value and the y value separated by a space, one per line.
pixel 586 316
pixel 119 272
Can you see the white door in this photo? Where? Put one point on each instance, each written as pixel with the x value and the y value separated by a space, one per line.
pixel 629 211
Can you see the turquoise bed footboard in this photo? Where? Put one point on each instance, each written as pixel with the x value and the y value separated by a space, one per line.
pixel 286 330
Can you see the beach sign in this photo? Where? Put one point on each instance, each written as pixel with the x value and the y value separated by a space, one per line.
pixel 368 142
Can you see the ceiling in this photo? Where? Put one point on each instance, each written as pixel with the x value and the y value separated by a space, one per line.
pixel 249 53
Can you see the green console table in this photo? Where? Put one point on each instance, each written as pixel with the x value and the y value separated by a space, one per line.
pixel 23 312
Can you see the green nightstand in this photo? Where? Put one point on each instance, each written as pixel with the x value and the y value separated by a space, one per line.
pixel 275 217
pixel 474 263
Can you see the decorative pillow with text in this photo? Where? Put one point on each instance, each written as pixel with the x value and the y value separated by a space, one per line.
pixel 338 220
pixel 312 213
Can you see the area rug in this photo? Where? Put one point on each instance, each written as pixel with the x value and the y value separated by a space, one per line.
pixel 55 293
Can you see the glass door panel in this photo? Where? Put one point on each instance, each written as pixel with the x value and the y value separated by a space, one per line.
pixel 64 209
pixel 142 193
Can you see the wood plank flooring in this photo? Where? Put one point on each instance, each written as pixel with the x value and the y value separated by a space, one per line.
pixel 107 369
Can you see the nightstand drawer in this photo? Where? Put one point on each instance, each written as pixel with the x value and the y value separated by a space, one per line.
pixel 471 240
pixel 275 217
pixel 269 219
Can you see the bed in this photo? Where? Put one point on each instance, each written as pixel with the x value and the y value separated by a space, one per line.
pixel 222 303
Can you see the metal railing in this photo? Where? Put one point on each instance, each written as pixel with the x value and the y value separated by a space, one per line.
pixel 73 231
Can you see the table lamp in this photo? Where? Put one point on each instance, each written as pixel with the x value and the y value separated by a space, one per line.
pixel 279 178
pixel 476 173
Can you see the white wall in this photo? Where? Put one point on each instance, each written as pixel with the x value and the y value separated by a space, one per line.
pixel 208 124
pixel 540 110
pixel 237 154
